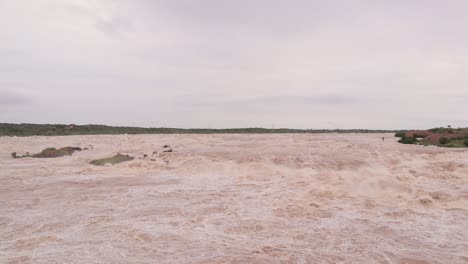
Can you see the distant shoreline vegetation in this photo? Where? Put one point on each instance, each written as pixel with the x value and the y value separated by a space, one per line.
pixel 441 137
pixel 24 130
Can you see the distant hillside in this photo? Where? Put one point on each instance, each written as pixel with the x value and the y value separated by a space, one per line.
pixel 64 130
pixel 442 137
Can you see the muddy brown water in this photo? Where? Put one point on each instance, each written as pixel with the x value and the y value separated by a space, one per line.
pixel 290 198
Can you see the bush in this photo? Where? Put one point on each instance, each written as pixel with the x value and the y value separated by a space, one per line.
pixel 408 140
pixel 436 130
pixel 400 134
pixel 465 142
pixel 443 140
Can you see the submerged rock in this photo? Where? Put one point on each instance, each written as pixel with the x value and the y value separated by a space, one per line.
pixel 48 153
pixel 119 158
pixel 167 148
pixel 54 153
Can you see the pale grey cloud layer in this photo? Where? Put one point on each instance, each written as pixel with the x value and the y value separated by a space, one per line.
pixel 13 98
pixel 220 63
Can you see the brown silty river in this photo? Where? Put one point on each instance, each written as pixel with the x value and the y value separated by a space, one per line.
pixel 289 198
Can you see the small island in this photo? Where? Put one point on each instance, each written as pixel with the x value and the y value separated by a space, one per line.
pixel 441 137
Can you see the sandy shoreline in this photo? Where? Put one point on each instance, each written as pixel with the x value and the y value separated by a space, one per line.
pixel 286 198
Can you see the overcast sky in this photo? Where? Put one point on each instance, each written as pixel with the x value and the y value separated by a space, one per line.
pixel 235 63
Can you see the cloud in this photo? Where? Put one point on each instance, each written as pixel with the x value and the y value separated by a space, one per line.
pixel 112 27
pixel 272 17
pixel 308 100
pixel 217 100
pixel 5 54
pixel 104 17
pixel 14 98
pixel 300 63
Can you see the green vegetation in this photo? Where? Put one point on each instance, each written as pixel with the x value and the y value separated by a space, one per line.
pixel 443 140
pixel 408 140
pixel 119 158
pixel 400 134
pixel 449 130
pixel 455 143
pixel 64 130
pixel 442 137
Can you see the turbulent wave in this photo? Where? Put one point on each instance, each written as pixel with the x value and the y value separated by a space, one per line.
pixel 290 198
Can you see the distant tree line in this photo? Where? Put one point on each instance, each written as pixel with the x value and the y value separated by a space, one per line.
pixel 7 129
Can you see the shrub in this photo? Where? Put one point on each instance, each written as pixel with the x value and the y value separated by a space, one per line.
pixel 437 130
pixel 419 136
pixel 408 140
pixel 400 134
pixel 465 142
pixel 443 140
